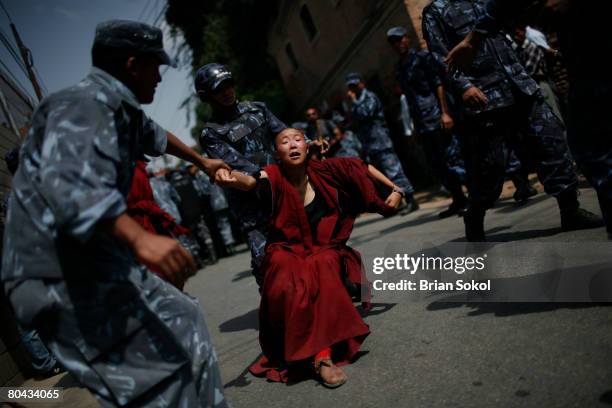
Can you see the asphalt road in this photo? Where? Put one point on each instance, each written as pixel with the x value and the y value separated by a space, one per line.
pixel 438 349
pixel 427 351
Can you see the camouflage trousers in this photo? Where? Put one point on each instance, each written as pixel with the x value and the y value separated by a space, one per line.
pixel 514 166
pixel 389 164
pixel 225 227
pixel 132 342
pixel 256 240
pixel 444 156
pixel 533 132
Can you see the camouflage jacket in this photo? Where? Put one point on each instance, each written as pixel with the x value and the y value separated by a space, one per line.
pixel 419 76
pixel 496 69
pixel 324 127
pixel 210 191
pixel 76 167
pixel 166 196
pixel 245 143
pixel 372 128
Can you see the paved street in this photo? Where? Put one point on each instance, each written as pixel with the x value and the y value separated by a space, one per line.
pixel 429 352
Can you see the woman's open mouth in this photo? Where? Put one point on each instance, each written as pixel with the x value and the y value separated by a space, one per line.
pixel 295 155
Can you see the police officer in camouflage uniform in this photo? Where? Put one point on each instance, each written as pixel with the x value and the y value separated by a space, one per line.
pixel 501 101
pixel 320 133
pixel 70 254
pixel 345 143
pixel 422 78
pixel 242 135
pixel 373 133
pixel 318 128
pixel 580 25
pixel 194 211
pixel 421 75
pixel 219 222
pixel 166 196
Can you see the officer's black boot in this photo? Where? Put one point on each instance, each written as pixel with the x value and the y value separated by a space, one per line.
pixel 474 224
pixel 572 216
pixel 457 207
pixel 408 205
pixel 523 189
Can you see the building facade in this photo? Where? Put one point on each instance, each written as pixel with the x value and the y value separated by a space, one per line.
pixel 317 42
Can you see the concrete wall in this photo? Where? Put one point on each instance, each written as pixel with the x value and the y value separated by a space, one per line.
pixel 414 8
pixel 351 37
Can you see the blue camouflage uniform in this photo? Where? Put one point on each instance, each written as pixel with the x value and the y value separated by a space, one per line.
pixel 373 134
pixel 515 107
pixel 323 128
pixel 166 196
pixel 246 143
pixel 350 146
pixel 582 33
pixel 218 205
pixel 121 331
pixel 419 76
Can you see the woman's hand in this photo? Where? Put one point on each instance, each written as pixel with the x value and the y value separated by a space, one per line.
pixel 224 178
pixel 211 166
pixel 235 179
pixel 394 199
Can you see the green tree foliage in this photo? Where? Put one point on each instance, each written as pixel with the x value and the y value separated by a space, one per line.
pixel 234 33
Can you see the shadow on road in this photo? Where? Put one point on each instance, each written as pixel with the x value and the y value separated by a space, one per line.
pixel 242 380
pixel 67 381
pixel 569 288
pixel 509 205
pixel 606 397
pixel 376 309
pixel 522 235
pixel 249 320
pixel 377 234
pixel 493 237
pixel 242 275
pixel 504 309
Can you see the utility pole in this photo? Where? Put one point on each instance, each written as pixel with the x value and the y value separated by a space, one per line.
pixel 26 55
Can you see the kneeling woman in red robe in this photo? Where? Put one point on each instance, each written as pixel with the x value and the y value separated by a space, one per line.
pixel 306 312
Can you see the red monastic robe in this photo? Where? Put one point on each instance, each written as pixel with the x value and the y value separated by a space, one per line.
pixel 145 211
pixel 305 306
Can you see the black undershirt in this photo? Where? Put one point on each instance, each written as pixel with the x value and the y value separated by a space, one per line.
pixel 315 210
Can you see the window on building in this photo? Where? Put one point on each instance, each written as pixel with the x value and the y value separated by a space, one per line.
pixel 291 56
pixel 308 22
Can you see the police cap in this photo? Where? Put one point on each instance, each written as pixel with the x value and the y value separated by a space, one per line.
pixel 132 36
pixel 353 78
pixel 395 32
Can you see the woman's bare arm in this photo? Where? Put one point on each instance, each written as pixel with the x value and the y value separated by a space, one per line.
pixel 237 180
pixel 394 199
pixel 374 172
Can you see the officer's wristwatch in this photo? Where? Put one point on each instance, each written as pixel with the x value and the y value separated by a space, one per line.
pixel 256 174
